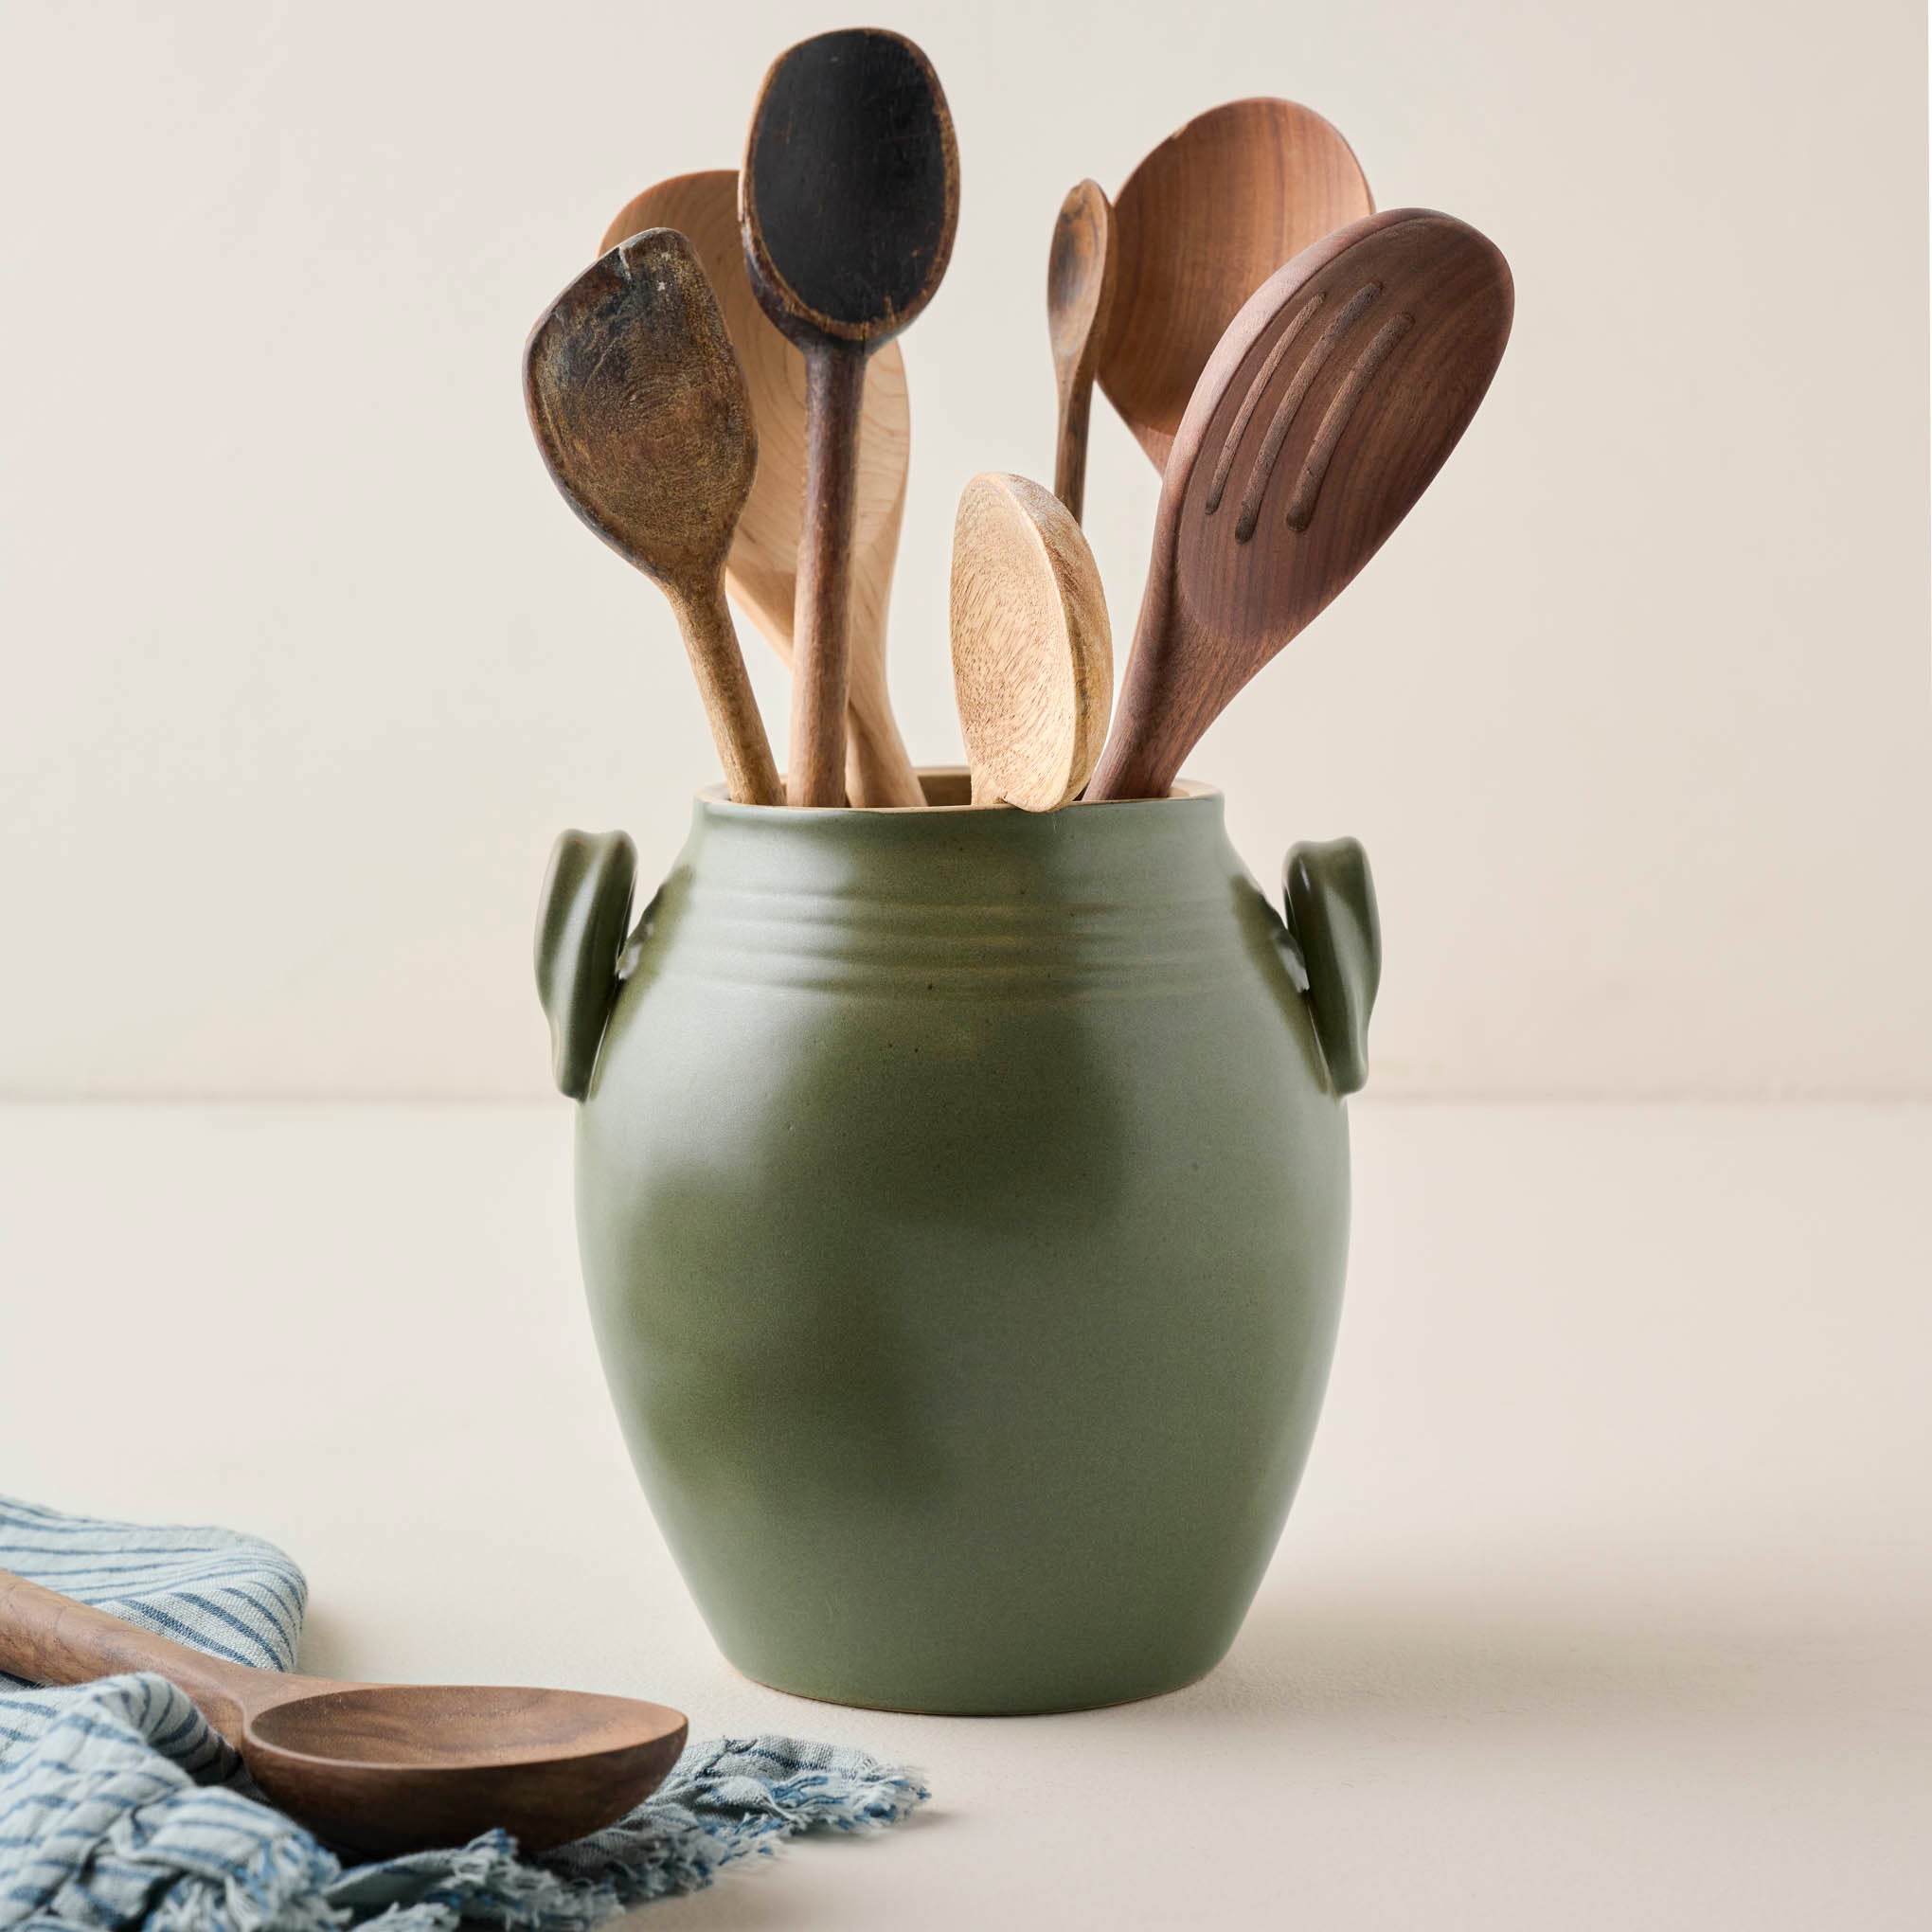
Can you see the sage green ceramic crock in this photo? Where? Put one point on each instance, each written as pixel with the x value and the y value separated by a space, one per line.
pixel 963 1200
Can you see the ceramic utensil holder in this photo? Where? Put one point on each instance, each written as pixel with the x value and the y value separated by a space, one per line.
pixel 963 1202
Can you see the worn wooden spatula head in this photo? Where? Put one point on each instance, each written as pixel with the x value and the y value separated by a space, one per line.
pixel 640 410
pixel 642 418
pixel 1323 413
pixel 763 565
pixel 763 570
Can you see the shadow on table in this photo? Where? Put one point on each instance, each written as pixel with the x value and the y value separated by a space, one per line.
pixel 1313 1664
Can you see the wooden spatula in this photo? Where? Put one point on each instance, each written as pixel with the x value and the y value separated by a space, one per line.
pixel 1333 400
pixel 640 413
pixel 762 568
pixel 1033 653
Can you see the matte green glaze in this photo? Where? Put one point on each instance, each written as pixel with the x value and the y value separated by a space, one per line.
pixel 580 919
pixel 1329 897
pixel 963 1203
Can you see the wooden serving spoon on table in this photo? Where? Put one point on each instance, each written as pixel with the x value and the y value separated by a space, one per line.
pixel 1330 402
pixel 763 569
pixel 1032 652
pixel 378 1767
pixel 641 415
pixel 1081 276
pixel 1206 218
pixel 850 197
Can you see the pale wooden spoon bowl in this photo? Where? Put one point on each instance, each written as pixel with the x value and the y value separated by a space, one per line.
pixel 762 568
pixel 1032 651
pixel 378 1768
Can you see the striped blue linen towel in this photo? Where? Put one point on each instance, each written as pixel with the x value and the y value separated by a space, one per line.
pixel 120 1807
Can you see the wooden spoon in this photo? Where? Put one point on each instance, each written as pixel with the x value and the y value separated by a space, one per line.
pixel 849 199
pixel 762 568
pixel 1334 399
pixel 1032 652
pixel 1202 222
pixel 1082 275
pixel 379 1767
pixel 640 412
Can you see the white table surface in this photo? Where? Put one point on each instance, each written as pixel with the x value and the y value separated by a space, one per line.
pixel 1605 1604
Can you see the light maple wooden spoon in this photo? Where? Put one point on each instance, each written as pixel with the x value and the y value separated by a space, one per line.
pixel 848 200
pixel 762 568
pixel 1082 275
pixel 1032 652
pixel 381 1768
pixel 1323 413
pixel 641 415
pixel 1202 222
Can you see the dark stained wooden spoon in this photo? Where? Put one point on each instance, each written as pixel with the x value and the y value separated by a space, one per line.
pixel 379 1769
pixel 1324 413
pixel 1206 218
pixel 1082 273
pixel 640 412
pixel 848 200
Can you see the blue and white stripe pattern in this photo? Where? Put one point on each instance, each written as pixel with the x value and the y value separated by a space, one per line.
pixel 119 1807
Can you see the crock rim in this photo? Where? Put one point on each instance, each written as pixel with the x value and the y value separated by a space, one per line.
pixel 714 798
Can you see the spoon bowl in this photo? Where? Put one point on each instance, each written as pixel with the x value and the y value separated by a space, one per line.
pixel 850 188
pixel 391 1767
pixel 1032 652
pixel 378 1768
pixel 1206 218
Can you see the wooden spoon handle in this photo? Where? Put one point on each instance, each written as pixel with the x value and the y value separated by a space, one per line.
pixel 835 391
pixel 737 729
pixel 48 1639
pixel 1153 700
pixel 879 770
pixel 1071 448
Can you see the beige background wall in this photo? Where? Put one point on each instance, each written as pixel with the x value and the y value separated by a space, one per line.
pixel 302 663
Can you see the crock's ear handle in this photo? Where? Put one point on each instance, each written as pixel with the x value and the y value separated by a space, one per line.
pixel 1331 906
pixel 581 919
